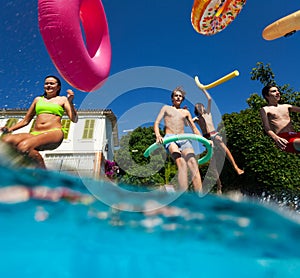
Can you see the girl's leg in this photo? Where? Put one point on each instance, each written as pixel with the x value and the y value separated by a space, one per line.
pixel 231 159
pixel 31 144
pixel 15 139
pixel 219 187
pixel 216 175
pixel 36 156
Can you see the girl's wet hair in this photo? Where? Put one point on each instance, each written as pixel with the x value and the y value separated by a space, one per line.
pixel 197 108
pixel 58 82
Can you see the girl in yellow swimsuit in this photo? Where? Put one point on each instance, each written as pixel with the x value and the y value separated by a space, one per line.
pixel 47 133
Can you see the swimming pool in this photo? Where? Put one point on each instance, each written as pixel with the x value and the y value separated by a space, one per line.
pixel 190 237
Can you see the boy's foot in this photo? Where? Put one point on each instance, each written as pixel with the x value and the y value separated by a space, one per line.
pixel 240 171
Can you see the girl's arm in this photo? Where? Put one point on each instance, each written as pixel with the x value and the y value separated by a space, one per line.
pixel 208 109
pixel 69 107
pixel 27 119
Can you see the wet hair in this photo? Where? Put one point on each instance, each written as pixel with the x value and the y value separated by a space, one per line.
pixel 197 108
pixel 179 89
pixel 58 82
pixel 266 89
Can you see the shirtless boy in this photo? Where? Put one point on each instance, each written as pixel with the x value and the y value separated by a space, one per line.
pixel 277 122
pixel 181 151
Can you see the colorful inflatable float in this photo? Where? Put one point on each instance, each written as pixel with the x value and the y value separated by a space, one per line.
pixel 83 61
pixel 212 16
pixel 283 27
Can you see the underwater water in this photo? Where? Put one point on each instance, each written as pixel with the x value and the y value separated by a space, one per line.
pixel 190 237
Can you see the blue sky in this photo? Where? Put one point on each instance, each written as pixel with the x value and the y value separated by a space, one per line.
pixel 156 33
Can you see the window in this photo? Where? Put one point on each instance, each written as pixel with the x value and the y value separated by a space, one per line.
pixel 11 122
pixel 66 127
pixel 88 129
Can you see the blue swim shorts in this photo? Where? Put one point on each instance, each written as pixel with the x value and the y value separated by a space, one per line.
pixel 182 144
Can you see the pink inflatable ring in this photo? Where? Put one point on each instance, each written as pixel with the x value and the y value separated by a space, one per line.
pixel 83 64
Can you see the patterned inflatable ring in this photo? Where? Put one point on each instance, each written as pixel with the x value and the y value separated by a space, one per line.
pixel 83 63
pixel 212 16
pixel 184 136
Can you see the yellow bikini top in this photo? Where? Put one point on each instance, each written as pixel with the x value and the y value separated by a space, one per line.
pixel 45 107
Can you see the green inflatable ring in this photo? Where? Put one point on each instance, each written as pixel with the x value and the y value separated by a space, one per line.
pixel 185 136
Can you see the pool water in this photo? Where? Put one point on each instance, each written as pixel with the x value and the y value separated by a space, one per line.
pixel 190 237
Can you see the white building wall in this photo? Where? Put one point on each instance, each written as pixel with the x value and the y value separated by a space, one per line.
pixel 109 139
pixel 77 155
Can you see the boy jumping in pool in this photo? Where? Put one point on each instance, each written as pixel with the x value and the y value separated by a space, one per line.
pixel 277 122
pixel 206 124
pixel 181 151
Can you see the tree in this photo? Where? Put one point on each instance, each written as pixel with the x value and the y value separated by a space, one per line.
pixel 137 169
